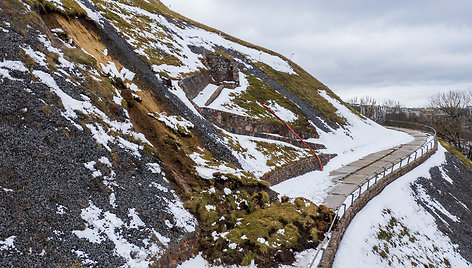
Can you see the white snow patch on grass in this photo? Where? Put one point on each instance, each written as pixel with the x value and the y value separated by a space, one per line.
pixel 124 74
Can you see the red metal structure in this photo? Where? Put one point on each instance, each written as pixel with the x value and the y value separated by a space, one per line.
pixel 270 110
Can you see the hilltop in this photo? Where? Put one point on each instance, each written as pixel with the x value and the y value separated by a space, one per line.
pixel 134 136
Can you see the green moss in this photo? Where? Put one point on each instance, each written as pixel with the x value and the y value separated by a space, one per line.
pixel 248 258
pixel 466 161
pixel 275 226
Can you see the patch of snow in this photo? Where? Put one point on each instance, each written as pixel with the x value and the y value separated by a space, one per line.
pixel 210 207
pixel 112 200
pixel 434 205
pixel 430 245
pixel 6 190
pixel 283 113
pixel 8 244
pixel 155 168
pixel 84 258
pixel 105 225
pixel 61 210
pixel 225 101
pixel 359 139
pixel 37 56
pixel 135 221
pixel 176 123
pixel 111 69
pixel 197 262
pixel 204 95
pixel 104 160
pixel 179 92
pixel 182 217
pixel 95 16
pixel 7 65
pixel 159 187
pixel 227 191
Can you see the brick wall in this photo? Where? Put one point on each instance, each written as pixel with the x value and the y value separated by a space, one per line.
pixel 329 254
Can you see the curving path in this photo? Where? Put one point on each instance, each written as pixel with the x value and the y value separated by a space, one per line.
pixel 362 180
pixel 355 173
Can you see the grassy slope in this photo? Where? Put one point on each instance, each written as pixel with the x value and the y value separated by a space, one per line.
pixel 304 85
pixel 456 153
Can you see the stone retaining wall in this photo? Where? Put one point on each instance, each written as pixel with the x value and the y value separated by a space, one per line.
pixel 194 84
pixel 329 254
pixel 296 169
pixel 244 125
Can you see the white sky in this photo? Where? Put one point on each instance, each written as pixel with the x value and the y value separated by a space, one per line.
pixel 402 50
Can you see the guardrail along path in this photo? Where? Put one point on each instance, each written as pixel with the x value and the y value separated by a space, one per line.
pixel 356 173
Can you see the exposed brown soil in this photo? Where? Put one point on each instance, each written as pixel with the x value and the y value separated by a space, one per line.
pixel 179 168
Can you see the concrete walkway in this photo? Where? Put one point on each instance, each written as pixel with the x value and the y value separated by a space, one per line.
pixel 353 174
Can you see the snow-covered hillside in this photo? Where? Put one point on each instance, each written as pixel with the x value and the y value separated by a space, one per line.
pixel 418 220
pixel 134 136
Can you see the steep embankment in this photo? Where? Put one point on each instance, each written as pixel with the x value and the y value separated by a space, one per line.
pixel 114 111
pixel 421 219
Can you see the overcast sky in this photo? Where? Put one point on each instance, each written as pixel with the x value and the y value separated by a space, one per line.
pixel 402 50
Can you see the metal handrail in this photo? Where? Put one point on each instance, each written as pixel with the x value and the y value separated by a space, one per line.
pixel 375 176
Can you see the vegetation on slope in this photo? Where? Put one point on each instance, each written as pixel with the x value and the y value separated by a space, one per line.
pixel 467 162
pixel 67 8
pixel 228 207
pixel 242 223
pixel 259 92
pixel 307 88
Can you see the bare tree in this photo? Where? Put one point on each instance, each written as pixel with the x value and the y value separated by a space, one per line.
pixel 452 121
pixel 368 107
pixel 452 103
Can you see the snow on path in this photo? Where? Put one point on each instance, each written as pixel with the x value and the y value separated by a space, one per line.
pixel 428 244
pixel 363 137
